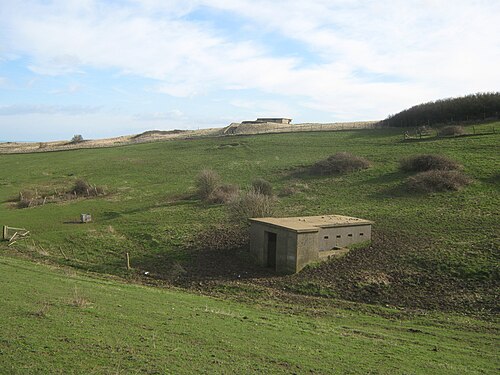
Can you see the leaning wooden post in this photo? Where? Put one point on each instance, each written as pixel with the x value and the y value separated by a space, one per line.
pixel 128 260
pixel 4 236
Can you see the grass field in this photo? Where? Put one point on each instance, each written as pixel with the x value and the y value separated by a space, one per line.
pixel 59 321
pixel 446 242
pixel 429 276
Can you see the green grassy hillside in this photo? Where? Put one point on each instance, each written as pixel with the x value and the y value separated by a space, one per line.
pixel 437 251
pixel 58 321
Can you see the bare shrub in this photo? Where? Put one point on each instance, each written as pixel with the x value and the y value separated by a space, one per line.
pixel 224 194
pixel 427 162
pixel 206 182
pixel 252 204
pixel 85 189
pixel 81 187
pixel 262 186
pixel 437 181
pixel 341 162
pixel 452 131
pixel 221 237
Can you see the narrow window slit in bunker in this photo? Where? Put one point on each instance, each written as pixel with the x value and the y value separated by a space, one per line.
pixel 326 237
pixel 338 235
pixel 349 235
pixel 361 234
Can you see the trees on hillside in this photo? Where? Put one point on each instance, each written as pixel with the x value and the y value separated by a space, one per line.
pixel 480 106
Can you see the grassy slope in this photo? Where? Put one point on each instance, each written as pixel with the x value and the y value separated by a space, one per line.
pixel 133 329
pixel 455 233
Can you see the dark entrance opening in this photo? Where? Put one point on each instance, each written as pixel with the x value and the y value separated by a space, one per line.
pixel 271 249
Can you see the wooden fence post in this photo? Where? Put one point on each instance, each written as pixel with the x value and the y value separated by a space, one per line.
pixel 128 261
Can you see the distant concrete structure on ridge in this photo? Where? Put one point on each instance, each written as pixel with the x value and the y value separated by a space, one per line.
pixel 263 120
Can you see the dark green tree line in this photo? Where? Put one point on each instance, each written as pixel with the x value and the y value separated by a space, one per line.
pixel 474 107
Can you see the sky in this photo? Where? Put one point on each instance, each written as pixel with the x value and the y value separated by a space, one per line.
pixel 115 67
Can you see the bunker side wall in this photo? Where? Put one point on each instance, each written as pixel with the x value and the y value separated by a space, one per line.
pixel 330 238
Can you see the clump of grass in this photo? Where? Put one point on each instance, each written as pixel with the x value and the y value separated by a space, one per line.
pixel 452 130
pixel 224 194
pixel 339 163
pixel 79 300
pixel 436 181
pixel 293 188
pixel 251 204
pixel 43 310
pixel 262 186
pixel 206 182
pixel 427 162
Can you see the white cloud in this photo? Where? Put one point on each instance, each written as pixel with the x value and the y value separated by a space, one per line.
pixel 429 48
pixel 27 109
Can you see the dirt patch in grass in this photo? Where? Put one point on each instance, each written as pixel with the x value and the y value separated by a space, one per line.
pixel 385 273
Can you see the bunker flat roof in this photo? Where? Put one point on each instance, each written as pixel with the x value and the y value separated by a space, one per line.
pixel 311 223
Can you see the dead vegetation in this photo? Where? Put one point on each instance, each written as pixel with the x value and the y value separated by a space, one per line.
pixel 79 300
pixel 36 197
pixel 264 187
pixel 427 162
pixel 251 204
pixel 452 131
pixel 206 182
pixel 436 181
pixel 339 163
pixel 224 194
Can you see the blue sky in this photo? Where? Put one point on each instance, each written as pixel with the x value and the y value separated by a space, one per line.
pixel 109 68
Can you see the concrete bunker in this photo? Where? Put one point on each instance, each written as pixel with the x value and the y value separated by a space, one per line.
pixel 288 244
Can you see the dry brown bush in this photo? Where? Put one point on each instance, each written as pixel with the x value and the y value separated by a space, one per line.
pixel 251 204
pixel 84 189
pixel 452 130
pixel 224 194
pixel 427 162
pixel 206 182
pixel 436 181
pixel 262 186
pixel 341 162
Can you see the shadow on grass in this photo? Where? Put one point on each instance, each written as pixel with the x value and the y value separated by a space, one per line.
pixel 192 266
pixel 178 200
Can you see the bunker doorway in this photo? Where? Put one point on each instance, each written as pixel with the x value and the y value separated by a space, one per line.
pixel 271 249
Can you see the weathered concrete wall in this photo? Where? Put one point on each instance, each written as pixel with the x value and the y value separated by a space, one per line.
pixel 286 246
pixel 343 236
pixel 286 251
pixel 307 249
pixel 257 243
